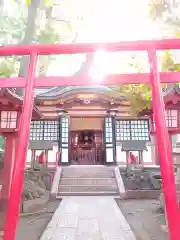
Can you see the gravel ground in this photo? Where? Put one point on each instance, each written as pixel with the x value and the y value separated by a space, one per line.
pixel 144 218
pixel 31 227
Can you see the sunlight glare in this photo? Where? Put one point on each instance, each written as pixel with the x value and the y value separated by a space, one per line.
pixel 100 66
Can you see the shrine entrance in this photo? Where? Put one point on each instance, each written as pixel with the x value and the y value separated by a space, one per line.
pixel 86 138
pixel 86 147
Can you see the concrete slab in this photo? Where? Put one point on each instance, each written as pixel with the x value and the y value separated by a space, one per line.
pixel 88 218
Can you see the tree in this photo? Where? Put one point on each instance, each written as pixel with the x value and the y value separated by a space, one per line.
pixel 139 95
pixel 168 65
pixel 166 13
pixel 8 67
pixel 158 8
pixel 34 24
pixel 28 36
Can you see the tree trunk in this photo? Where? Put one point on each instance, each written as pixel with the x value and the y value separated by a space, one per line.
pixel 28 38
pixel 44 63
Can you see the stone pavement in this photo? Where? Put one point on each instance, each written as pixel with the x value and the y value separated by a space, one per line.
pixel 88 218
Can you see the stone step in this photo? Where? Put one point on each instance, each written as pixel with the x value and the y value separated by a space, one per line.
pixel 87 181
pixel 88 169
pixel 87 188
pixel 100 193
pixel 87 174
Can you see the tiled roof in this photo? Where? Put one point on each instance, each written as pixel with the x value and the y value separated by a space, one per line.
pixel 134 146
pixel 57 91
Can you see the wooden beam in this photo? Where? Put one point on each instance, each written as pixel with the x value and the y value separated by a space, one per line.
pixel 48 49
pixel 84 80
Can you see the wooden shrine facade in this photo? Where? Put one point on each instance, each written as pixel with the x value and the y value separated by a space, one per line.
pixel 108 143
pixel 92 115
pixel 87 125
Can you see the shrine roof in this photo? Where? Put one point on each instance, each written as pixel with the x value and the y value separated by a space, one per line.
pixel 134 146
pixel 16 99
pixel 39 145
pixel 58 91
pixel 172 94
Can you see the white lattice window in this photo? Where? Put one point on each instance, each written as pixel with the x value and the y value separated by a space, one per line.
pixel 9 119
pixel 171 118
pixel 127 130
pixel 44 130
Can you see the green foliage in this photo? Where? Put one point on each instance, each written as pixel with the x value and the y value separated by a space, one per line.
pixel 46 2
pixel 167 12
pixel 138 96
pixel 157 8
pixel 12 29
pixel 168 64
pixel 8 67
pixel 2 143
pixel 47 36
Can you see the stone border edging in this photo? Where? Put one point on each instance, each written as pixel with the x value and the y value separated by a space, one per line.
pixel 55 185
pixel 142 194
pixel 120 182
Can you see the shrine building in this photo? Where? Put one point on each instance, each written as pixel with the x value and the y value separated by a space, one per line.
pixel 87 125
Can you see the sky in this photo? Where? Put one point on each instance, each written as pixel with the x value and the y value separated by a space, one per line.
pixel 115 20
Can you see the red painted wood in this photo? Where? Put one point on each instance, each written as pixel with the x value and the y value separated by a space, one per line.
pixel 9 155
pixel 113 79
pixel 165 152
pixel 47 49
pixel 173 106
pixel 84 80
pixel 13 82
pixel 21 153
pixel 8 163
pixel 170 130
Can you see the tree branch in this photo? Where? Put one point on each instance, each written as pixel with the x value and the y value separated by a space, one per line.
pixel 28 37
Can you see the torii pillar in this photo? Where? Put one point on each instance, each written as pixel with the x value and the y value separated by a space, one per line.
pixel 9 156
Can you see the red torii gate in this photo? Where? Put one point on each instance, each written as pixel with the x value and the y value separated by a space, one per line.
pixel 154 79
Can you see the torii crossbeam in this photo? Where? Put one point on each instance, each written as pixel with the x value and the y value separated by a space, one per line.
pixel 154 78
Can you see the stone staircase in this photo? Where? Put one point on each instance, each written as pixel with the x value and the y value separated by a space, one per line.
pixel 87 181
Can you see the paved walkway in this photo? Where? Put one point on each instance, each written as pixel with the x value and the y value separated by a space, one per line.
pixel 88 218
